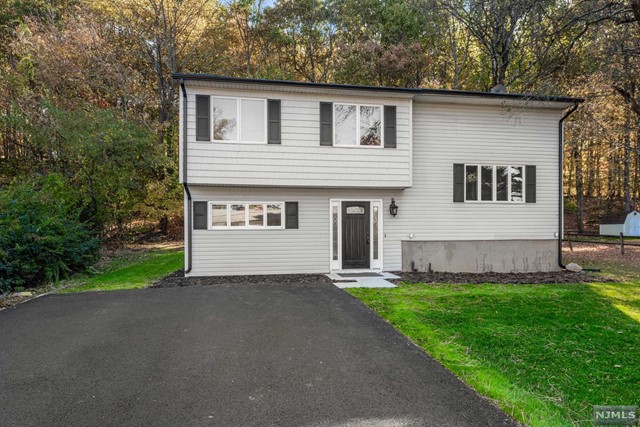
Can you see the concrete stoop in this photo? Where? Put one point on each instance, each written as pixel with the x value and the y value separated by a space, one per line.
pixel 363 279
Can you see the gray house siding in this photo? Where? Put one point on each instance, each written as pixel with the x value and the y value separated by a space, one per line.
pixel 430 228
pixel 447 134
pixel 302 250
pixel 299 160
pixel 443 135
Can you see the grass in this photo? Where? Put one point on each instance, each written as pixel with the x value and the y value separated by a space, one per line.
pixel 131 272
pixel 545 353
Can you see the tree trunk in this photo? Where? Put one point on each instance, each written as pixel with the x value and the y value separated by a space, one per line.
pixel 627 164
pixel 577 160
pixel 164 225
pixel 636 181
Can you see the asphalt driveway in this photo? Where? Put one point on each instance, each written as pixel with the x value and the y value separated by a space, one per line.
pixel 241 355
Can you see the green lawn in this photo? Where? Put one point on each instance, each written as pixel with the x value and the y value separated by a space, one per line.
pixel 131 273
pixel 544 353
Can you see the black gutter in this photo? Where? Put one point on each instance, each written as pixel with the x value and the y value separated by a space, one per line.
pixel 187 269
pixel 561 179
pixel 413 91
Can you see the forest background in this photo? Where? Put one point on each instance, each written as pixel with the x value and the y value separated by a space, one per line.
pixel 88 109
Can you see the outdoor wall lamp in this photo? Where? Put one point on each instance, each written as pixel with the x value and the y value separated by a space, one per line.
pixel 393 208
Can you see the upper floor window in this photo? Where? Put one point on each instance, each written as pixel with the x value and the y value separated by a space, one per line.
pixel 239 119
pixel 489 183
pixel 358 125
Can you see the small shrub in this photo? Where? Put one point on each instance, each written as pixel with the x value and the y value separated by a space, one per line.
pixel 570 206
pixel 41 237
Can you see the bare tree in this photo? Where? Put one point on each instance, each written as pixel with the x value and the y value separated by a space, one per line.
pixel 459 48
pixel 526 40
pixel 166 36
pixel 247 15
pixel 306 35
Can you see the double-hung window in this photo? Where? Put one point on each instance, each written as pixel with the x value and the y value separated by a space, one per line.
pixel 246 215
pixel 358 125
pixel 491 183
pixel 239 119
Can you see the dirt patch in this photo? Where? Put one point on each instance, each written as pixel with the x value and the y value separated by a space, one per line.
pixel 607 257
pixel 501 278
pixel 177 279
pixel 130 252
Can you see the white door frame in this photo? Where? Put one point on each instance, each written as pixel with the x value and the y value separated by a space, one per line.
pixel 374 264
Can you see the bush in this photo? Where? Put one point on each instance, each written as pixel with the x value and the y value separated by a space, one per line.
pixel 570 207
pixel 111 163
pixel 41 236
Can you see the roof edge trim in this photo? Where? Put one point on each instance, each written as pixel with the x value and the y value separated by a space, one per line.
pixel 414 91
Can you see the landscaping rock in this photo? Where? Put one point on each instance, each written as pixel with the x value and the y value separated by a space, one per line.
pixel 573 267
pixel 24 294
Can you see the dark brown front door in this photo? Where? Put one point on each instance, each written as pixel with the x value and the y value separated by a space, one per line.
pixel 355 234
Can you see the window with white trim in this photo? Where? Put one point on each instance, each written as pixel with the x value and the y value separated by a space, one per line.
pixel 357 125
pixel 246 215
pixel 239 119
pixel 491 183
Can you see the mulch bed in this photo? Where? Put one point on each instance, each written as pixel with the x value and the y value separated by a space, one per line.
pixel 177 279
pixel 502 278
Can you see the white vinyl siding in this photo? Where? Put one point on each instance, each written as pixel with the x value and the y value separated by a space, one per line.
pixel 299 160
pixel 444 134
pixel 265 251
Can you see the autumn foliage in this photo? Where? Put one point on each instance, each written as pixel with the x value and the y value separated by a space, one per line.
pixel 86 90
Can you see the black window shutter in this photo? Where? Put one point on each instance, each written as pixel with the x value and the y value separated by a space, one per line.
pixel 203 118
pixel 458 182
pixel 291 214
pixel 530 180
pixel 274 120
pixel 390 126
pixel 326 123
pixel 199 215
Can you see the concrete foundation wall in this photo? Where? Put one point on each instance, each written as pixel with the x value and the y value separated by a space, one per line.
pixel 501 256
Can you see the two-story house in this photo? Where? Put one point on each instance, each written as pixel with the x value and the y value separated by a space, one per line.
pixel 291 177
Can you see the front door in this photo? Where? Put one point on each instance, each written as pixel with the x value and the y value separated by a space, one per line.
pixel 355 235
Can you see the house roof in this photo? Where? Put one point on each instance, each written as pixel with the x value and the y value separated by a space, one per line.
pixel 386 89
